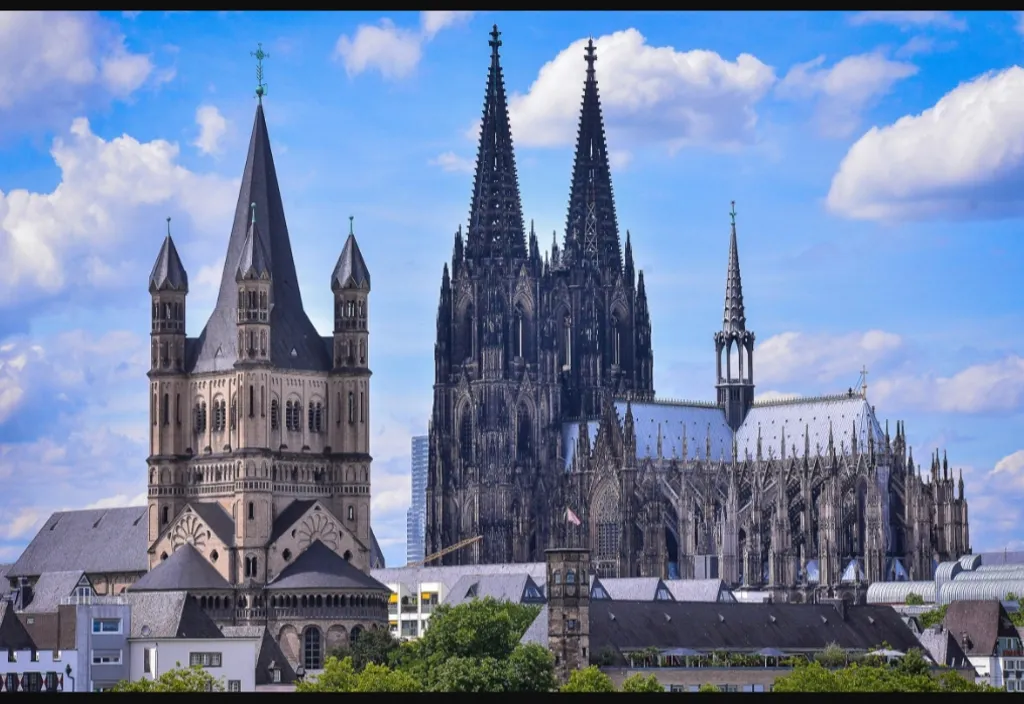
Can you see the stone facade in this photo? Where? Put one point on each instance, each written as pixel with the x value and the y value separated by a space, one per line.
pixel 568 592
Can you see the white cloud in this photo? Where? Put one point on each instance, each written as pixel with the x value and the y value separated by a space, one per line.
pixel 910 19
pixel 212 128
pixel 962 158
pixel 53 64
pixel 391 50
pixel 110 193
pixel 452 162
pixel 981 388
pixel 790 356
pixel 120 501
pixel 1019 24
pixel 22 524
pixel 774 396
pixel 648 93
pixel 846 89
pixel 131 14
pixel 1010 469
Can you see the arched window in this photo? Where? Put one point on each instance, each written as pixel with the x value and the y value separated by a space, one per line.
pixel 234 413
pixel 275 414
pixel 616 341
pixel 263 402
pixel 362 407
pixel 351 513
pixel 252 401
pixel 362 351
pixel 312 649
pixel 165 410
pixel 557 577
pixel 351 407
pixel 570 577
pixel 252 511
pixel 356 632
pixel 466 435
pixel 177 409
pixel 524 433
pixel 167 515
pixel 466 334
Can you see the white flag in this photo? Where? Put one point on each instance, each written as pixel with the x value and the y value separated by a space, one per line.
pixel 572 517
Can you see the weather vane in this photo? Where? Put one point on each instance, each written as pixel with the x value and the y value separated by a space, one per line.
pixel 732 213
pixel 168 225
pixel 261 88
pixel 351 224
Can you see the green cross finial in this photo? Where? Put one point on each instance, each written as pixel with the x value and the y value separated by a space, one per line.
pixel 261 87
pixel 253 206
pixel 168 225
pixel 351 224
pixel 732 213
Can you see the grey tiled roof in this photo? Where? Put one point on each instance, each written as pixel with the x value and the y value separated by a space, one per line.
pixel 168 273
pixel 185 569
pixel 93 541
pixel 219 520
pixel 319 567
pixel 4 569
pixel 215 348
pixel 350 271
pixel 288 517
pixel 377 561
pixel 50 588
pixel 982 621
pixel 449 575
pixel 797 417
pixel 503 587
pixel 943 648
pixel 270 654
pixel 254 262
pixel 13 635
pixel 169 615
pixel 695 589
pixel 538 631
pixel 747 627
pixel 631 588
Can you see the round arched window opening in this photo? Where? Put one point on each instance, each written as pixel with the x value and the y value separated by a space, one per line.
pixel 214 555
pixel 287 554
pixel 163 556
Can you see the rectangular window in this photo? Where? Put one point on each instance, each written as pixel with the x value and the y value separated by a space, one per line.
pixel 147 661
pixel 35 655
pixel 234 685
pixel 56 656
pixel 11 656
pixel 204 659
pixel 106 657
pixel 106 625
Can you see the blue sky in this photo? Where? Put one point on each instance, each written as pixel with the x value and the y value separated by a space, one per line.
pixel 877 162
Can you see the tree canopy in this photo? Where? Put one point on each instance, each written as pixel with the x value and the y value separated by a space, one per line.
pixel 370 647
pixel 589 679
pixel 180 679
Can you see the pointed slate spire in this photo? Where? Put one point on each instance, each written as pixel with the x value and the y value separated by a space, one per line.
pixel 591 230
pixel 628 273
pixel 168 273
pixel 351 270
pixel 496 211
pixel 296 344
pixel 734 319
pixel 254 262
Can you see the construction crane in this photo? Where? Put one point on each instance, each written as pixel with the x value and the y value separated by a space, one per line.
pixel 442 553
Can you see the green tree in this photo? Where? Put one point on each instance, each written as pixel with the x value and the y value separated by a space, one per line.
pixel 832 656
pixel 180 679
pixel 370 647
pixel 337 676
pixel 380 678
pixel 341 676
pixel 589 679
pixel 933 617
pixel 914 599
pixel 531 668
pixel 709 688
pixel 639 683
pixel 813 677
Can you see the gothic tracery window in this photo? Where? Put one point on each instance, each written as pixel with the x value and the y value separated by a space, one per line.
pixel 466 435
pixel 275 413
pixel 608 526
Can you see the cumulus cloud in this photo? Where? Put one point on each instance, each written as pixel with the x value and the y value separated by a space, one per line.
pixel 962 158
pixel 774 396
pixel 212 128
pixel 1010 469
pixel 452 162
pixel 391 50
pixel 790 356
pixel 648 93
pixel 843 91
pixel 54 64
pixel 981 388
pixel 910 19
pixel 110 194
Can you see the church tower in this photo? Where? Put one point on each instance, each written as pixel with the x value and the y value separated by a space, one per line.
pixel 736 372
pixel 168 288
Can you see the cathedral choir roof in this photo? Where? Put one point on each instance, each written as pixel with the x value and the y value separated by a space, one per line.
pixel 319 567
pixel 295 343
pixel 92 541
pixel 184 569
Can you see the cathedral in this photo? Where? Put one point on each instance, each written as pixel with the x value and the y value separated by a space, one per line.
pixel 259 465
pixel 546 431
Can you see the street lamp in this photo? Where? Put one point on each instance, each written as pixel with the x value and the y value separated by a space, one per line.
pixel 67 671
pixel 300 672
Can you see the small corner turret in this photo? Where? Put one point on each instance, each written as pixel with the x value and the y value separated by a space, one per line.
pixel 350 284
pixel 735 386
pixel 255 282
pixel 168 287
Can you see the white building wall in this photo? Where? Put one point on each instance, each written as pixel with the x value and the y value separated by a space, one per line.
pixel 46 661
pixel 238 657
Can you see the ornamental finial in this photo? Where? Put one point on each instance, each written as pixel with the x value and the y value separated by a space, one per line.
pixel 732 213
pixel 168 225
pixel 351 224
pixel 261 87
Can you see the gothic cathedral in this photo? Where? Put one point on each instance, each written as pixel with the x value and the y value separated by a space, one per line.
pixel 546 433
pixel 259 466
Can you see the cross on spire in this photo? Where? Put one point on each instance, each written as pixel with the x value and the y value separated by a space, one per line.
pixel 732 213
pixel 495 42
pixel 864 381
pixel 351 224
pixel 168 225
pixel 261 88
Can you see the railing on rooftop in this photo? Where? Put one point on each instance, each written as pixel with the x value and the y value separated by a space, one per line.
pixel 112 599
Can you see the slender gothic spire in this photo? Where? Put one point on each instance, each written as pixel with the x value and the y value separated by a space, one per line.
pixel 168 273
pixel 734 318
pixel 496 212
pixel 253 263
pixel 591 230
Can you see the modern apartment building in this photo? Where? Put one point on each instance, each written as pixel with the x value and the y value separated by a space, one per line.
pixel 416 518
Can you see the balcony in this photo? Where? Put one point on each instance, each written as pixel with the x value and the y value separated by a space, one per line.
pixel 276 613
pixel 93 600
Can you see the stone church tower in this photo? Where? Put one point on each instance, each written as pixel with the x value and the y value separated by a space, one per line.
pixel 259 466
pixel 524 342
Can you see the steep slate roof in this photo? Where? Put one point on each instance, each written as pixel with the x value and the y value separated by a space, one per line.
pixel 982 621
pixel 942 646
pixel 13 635
pixel 270 653
pixel 450 575
pixel 215 348
pixel 538 631
pixel 377 561
pixel 288 517
pixel 351 270
pixel 219 520
pixel 169 615
pixel 697 589
pixel 631 588
pixel 184 569
pixel 50 588
pixel 319 567
pixel 503 587
pixel 93 541
pixel 168 273
pixel 253 262
pixel 633 625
